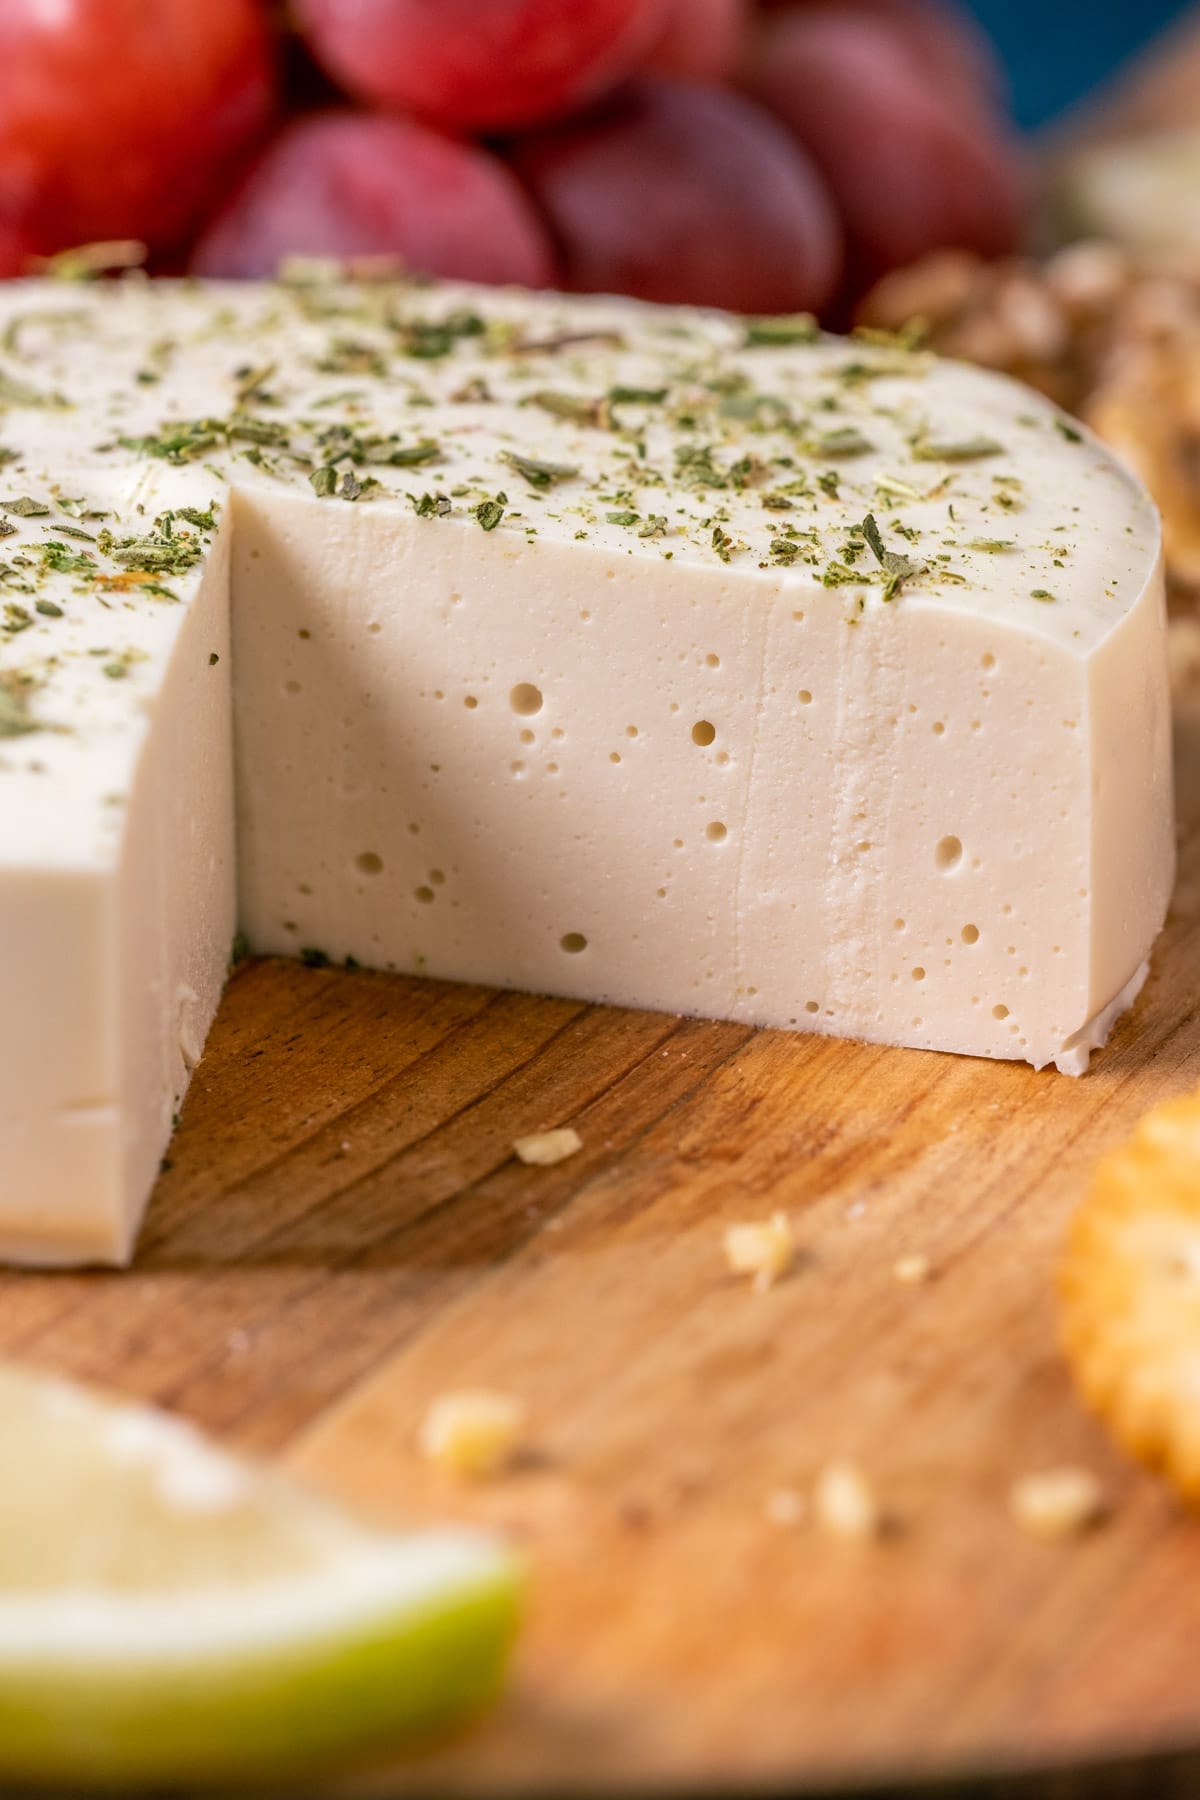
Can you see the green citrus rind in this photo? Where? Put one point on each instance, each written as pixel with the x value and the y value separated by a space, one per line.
pixel 275 1710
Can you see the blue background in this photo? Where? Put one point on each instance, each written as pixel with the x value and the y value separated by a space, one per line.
pixel 1056 50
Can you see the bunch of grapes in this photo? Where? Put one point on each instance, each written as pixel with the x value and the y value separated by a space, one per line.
pixel 764 155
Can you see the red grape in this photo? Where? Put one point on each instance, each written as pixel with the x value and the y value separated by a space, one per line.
pixel 943 38
pixel 914 161
pixel 481 64
pixel 702 38
pixel 353 184
pixel 118 118
pixel 679 191
pixel 948 44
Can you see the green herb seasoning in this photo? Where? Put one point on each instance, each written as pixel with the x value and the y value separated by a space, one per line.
pixel 782 332
pixel 897 568
pixel 540 474
pixel 953 450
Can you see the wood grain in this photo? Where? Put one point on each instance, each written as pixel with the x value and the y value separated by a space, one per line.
pixel 344 1233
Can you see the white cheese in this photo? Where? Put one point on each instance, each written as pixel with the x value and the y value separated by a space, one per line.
pixel 668 734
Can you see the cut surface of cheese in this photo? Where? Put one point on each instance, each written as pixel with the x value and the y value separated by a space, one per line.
pixel 638 654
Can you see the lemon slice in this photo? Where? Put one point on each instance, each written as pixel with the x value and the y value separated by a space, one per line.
pixel 171 1614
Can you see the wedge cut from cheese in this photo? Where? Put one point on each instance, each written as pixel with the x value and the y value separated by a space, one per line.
pixel 637 654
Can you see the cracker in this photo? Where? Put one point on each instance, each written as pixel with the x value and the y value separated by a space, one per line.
pixel 1130 1293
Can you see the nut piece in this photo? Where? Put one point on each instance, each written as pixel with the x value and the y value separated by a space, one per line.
pixel 1088 277
pixel 844 1503
pixel 1058 1504
pixel 911 1269
pixel 473 1433
pixel 765 1250
pixel 545 1148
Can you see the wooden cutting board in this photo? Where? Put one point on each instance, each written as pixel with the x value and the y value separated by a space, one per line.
pixel 343 1233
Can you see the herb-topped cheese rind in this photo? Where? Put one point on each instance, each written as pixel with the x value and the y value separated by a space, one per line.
pixel 647 655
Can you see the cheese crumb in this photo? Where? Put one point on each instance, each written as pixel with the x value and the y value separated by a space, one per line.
pixel 844 1502
pixel 765 1250
pixel 472 1433
pixel 786 1508
pixel 1058 1504
pixel 912 1269
pixel 545 1148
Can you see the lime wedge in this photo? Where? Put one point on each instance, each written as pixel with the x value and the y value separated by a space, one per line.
pixel 170 1614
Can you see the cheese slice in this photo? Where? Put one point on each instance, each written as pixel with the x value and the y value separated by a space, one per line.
pixel 637 654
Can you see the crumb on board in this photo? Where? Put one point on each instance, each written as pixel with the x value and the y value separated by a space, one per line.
pixel 786 1508
pixel 912 1269
pixel 474 1433
pixel 765 1249
pixel 1058 1503
pixel 844 1502
pixel 545 1148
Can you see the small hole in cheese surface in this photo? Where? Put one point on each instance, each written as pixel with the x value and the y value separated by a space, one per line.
pixel 987 660
pixel 999 1012
pixel 918 973
pixel 424 895
pixel 470 702
pixel 369 863
pixel 716 831
pixel 948 854
pixel 526 699
pixel 713 660
pixel 970 934
pixel 703 732
pixel 812 1006
pixel 805 697
pixel 573 942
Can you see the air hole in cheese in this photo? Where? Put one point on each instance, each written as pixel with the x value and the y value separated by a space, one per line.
pixel 526 698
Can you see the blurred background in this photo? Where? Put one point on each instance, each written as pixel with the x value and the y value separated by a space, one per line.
pixel 1022 177
pixel 766 155
pixel 1055 55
